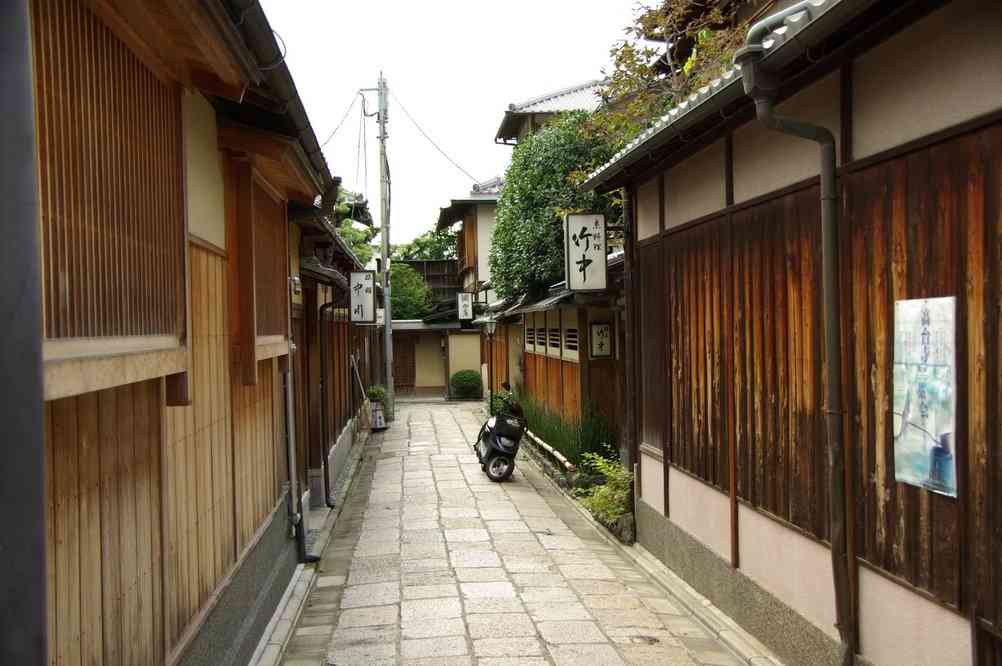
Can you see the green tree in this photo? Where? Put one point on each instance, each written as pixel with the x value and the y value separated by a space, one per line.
pixel 354 224
pixel 527 254
pixel 429 246
pixel 410 295
pixel 697 42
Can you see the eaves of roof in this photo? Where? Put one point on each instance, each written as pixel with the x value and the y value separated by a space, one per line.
pixel 457 208
pixel 580 97
pixel 799 33
pixel 249 22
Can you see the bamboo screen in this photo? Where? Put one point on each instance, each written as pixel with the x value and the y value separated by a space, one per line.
pixel 110 181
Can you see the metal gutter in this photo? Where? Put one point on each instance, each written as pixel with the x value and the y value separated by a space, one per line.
pixel 782 45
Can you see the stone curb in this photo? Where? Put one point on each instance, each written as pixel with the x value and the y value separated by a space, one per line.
pixel 720 625
pixel 278 633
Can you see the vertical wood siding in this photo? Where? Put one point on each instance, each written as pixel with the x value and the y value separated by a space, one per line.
pixel 258 451
pixel 924 225
pixel 199 499
pixel 103 518
pixel 110 181
pixel 270 263
pixel 744 342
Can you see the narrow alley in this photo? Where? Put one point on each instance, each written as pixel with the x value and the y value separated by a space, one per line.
pixel 431 561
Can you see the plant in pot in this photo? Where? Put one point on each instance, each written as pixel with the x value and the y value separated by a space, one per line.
pixel 377 397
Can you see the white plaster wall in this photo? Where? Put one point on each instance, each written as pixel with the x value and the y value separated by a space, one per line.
pixel 652 482
pixel 648 202
pixel 765 160
pixel 486 221
pixel 797 570
pixel 464 352
pixel 515 353
pixel 203 171
pixel 695 187
pixel 898 626
pixel 701 511
pixel 569 319
pixel 945 69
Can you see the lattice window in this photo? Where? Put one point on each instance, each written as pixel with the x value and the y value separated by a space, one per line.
pixel 571 339
pixel 554 338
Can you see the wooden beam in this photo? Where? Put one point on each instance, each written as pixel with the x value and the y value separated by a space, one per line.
pixel 130 22
pixel 199 26
pixel 75 376
pixel 246 273
pixel 210 84
pixel 243 139
pixel 177 390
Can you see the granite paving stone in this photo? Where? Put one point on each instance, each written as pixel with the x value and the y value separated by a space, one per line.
pixel 430 562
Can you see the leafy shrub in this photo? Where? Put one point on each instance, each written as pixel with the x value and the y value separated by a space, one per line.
pixel 377 393
pixel 612 499
pixel 502 403
pixel 466 384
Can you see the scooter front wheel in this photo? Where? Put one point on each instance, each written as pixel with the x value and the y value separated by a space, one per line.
pixel 499 468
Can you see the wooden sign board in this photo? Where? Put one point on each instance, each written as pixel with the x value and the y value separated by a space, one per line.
pixel 584 248
pixel 362 288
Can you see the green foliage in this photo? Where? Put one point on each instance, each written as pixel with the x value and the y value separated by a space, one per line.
pixel 410 295
pixel 354 223
pixel 429 246
pixel 527 254
pixel 466 384
pixel 377 393
pixel 645 81
pixel 502 403
pixel 612 499
pixel 591 434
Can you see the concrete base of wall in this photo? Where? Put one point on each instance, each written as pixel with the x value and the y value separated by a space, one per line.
pixel 315 481
pixel 792 637
pixel 235 624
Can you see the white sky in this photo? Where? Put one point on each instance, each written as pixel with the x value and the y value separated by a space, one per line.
pixel 455 65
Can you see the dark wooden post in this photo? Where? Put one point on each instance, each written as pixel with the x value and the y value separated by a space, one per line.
pixel 628 447
pixel 22 476
pixel 246 288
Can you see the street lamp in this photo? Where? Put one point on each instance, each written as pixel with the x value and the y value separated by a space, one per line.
pixel 490 326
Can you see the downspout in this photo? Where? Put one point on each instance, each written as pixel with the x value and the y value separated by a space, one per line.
pixel 324 309
pixel 761 86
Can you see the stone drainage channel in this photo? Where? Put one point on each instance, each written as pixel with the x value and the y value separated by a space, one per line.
pixel 430 562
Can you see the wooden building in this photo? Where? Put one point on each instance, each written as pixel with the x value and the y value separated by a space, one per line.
pixel 725 330
pixel 172 152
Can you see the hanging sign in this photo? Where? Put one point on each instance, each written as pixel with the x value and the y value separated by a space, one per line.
pixel 600 340
pixel 362 287
pixel 464 303
pixel 380 316
pixel 584 248
pixel 925 397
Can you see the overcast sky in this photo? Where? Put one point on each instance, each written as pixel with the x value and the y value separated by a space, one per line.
pixel 455 66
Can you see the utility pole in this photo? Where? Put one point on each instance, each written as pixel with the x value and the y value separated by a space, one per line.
pixel 384 214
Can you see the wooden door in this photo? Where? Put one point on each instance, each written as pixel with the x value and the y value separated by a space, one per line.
pixel 403 363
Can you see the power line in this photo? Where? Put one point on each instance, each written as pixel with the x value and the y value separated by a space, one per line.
pixel 430 140
pixel 341 122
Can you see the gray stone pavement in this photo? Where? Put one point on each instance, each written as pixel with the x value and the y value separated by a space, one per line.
pixel 430 562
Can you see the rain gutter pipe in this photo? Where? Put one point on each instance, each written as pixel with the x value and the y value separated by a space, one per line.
pixel 324 309
pixel 762 85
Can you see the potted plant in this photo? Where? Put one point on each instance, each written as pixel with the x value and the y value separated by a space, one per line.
pixel 377 396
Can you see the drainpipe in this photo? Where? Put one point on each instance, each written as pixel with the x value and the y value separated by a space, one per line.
pixel 761 86
pixel 324 309
pixel 296 513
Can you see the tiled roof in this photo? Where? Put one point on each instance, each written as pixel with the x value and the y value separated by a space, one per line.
pixel 582 97
pixel 721 91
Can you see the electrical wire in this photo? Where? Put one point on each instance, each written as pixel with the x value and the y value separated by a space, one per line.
pixel 430 140
pixel 281 58
pixel 341 122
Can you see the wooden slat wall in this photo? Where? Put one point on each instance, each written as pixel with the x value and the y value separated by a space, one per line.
pixel 258 451
pixel 743 293
pixel 199 502
pixel 571 403
pixel 778 355
pixel 924 225
pixel 698 299
pixel 110 181
pixel 270 263
pixel 103 516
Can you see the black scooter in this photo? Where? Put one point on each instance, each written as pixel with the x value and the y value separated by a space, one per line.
pixel 498 441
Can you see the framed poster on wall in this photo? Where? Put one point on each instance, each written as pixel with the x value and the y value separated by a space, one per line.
pixel 600 340
pixel 925 397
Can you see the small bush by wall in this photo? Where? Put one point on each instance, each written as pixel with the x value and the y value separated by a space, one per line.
pixel 465 384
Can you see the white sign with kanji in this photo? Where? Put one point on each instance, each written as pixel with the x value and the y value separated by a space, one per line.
pixel 362 287
pixel 464 303
pixel 601 340
pixel 584 247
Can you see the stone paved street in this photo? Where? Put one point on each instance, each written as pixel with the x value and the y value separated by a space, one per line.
pixel 432 563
